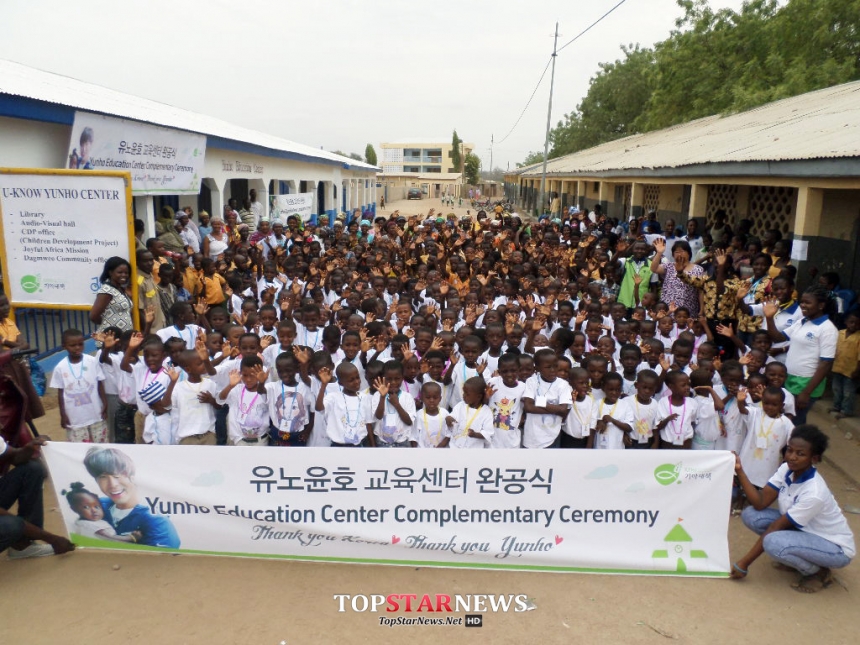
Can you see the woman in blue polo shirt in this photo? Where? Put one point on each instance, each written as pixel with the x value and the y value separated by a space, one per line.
pixel 808 532
pixel 811 349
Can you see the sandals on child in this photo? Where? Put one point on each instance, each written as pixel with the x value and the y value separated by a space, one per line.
pixel 814 583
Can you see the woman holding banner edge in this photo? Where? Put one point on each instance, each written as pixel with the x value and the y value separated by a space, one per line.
pixel 808 532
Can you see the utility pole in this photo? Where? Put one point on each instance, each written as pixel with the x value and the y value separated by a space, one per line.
pixel 548 122
pixel 491 154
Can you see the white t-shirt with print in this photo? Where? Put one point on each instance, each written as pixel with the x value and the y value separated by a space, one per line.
pixel 429 430
pixel 290 406
pixel 391 428
pixel 345 418
pixel 761 452
pixel 80 385
pixel 506 405
pixel 577 423
pixel 189 416
pixel 678 431
pixel 249 414
pixel 541 430
pixel 613 437
pixel 467 418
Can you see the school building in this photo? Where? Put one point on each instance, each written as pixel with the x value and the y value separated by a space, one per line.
pixel 37 112
pixel 792 165
pixel 423 156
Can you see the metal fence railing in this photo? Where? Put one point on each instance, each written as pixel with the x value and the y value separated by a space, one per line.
pixel 43 328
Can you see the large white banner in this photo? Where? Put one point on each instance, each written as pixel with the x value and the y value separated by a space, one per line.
pixel 600 511
pixel 298 204
pixel 58 230
pixel 161 161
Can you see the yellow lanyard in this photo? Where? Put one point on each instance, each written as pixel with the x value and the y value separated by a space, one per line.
pixel 762 433
pixel 611 412
pixel 427 428
pixel 469 422
pixel 576 412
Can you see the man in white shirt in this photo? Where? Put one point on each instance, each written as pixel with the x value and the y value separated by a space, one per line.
pixel 257 208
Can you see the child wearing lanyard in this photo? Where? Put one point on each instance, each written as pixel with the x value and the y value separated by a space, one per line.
pixel 645 412
pixel 394 407
pixel 245 394
pixel 183 315
pixel 768 431
pixel 154 387
pixel 611 418
pixel 678 412
pixel 308 333
pixel 546 401
pixel 291 416
pixel 577 426
pixel 470 423
pixel 429 429
pixel 732 424
pixel 344 413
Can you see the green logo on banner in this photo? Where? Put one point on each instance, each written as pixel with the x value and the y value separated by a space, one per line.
pixel 681 540
pixel 30 283
pixel 666 474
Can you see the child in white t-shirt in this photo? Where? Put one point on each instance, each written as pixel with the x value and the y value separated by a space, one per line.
pixel 430 429
pixel 344 413
pixel 611 419
pixel 645 410
pixel 577 425
pixel 546 401
pixel 245 395
pixel 470 423
pixel 291 415
pixel 506 403
pixel 192 412
pixel 393 407
pixel 79 381
pixel 707 424
pixel 768 431
pixel 678 412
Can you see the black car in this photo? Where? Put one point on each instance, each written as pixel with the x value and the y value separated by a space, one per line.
pixel 414 193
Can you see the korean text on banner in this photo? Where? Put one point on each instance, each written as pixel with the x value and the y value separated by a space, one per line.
pixel 58 231
pixel 299 204
pixel 648 512
pixel 161 160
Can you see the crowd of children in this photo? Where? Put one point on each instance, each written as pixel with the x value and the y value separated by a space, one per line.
pixel 437 333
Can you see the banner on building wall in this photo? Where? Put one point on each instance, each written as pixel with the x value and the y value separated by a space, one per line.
pixel 298 204
pixel 634 512
pixel 59 227
pixel 162 161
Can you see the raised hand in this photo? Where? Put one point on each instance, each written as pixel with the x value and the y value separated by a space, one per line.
pixel 770 308
pixel 381 386
pixel 482 365
pixel 266 341
pixel 135 341
pixel 235 378
pixel 725 330
pixel 325 375
pixel 149 314
pixel 302 354
pixel 173 374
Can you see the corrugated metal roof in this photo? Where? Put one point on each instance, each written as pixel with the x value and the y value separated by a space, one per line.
pixel 824 124
pixel 447 176
pixel 20 80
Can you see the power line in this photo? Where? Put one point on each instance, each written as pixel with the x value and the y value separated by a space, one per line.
pixel 587 29
pixel 540 80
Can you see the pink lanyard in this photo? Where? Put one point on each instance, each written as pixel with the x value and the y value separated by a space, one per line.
pixel 680 434
pixel 245 410
pixel 153 378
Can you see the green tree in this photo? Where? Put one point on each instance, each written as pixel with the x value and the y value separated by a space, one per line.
pixel 456 158
pixel 370 154
pixel 616 98
pixel 356 156
pixel 536 156
pixel 472 168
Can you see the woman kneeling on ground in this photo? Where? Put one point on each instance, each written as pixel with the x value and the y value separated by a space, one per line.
pixel 808 533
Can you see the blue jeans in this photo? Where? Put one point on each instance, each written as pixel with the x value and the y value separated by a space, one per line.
pixel 797 549
pixel 844 393
pixel 800 415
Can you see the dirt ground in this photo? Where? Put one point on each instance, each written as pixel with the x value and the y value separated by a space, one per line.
pixel 169 599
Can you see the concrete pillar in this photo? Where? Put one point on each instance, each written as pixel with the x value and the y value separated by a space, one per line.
pixel 807 243
pixel 144 207
pixel 605 196
pixel 698 204
pixel 637 199
pixel 580 193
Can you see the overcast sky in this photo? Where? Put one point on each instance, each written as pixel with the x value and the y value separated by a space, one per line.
pixel 341 74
